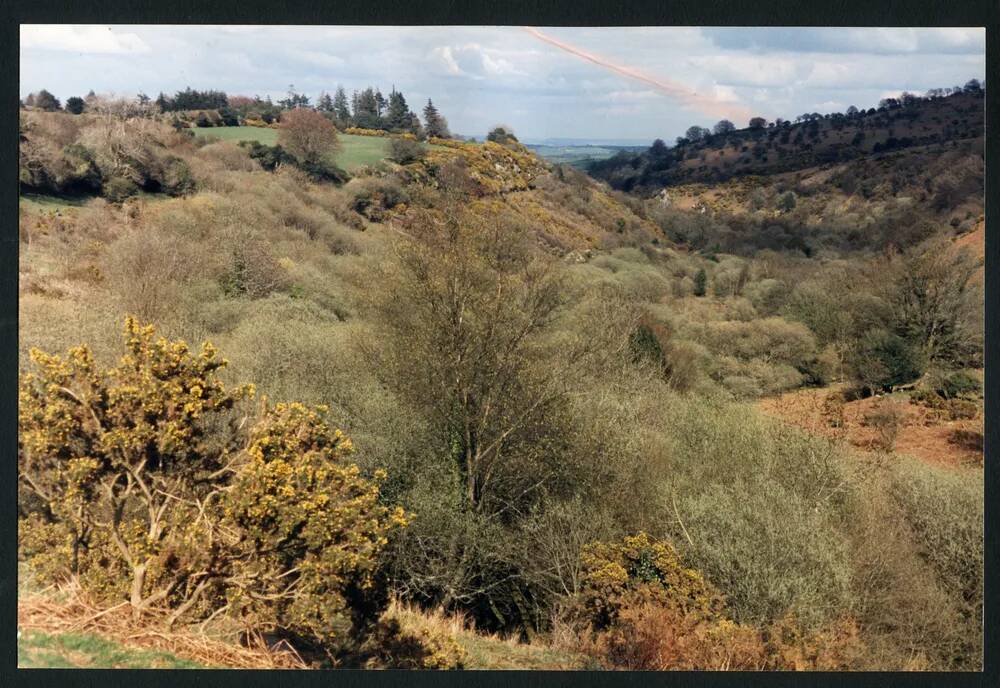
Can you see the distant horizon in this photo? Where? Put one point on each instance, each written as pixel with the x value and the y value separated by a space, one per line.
pixel 589 84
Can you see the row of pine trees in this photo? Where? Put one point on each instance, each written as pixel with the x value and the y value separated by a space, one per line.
pixel 367 109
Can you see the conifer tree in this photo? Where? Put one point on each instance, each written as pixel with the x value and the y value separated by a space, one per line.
pixel 46 101
pixel 398 113
pixel 340 109
pixel 434 124
pixel 366 110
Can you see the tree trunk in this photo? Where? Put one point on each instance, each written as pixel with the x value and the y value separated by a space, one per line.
pixel 138 583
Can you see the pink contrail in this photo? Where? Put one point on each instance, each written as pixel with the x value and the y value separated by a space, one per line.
pixel 705 104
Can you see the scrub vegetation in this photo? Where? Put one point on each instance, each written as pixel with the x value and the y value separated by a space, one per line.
pixel 391 399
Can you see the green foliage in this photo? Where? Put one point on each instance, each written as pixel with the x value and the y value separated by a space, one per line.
pixel 501 135
pixel 646 346
pixel 302 508
pixel 177 178
pixel 581 378
pixel 937 302
pixel 74 105
pixel 324 170
pixel 272 157
pixel 762 505
pixel 882 360
pixel 253 272
pixel 375 197
pixel 957 384
pixel 405 151
pixel 118 189
pixel 46 101
pixel 787 202
pixel 269 157
pixel 435 125
pixel 700 282
pixel 944 509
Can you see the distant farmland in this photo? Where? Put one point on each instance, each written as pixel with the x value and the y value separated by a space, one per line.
pixel 580 156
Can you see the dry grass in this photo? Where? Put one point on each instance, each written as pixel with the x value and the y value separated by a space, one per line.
pixel 487 650
pixel 68 610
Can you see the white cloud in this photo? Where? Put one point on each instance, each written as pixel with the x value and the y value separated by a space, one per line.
pixel 632 96
pixel 749 70
pixel 447 60
pixel 89 38
pixel 725 94
pixel 318 58
pixel 829 106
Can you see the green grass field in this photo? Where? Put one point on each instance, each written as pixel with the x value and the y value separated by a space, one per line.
pixel 50 203
pixel 260 134
pixel 356 151
pixel 36 650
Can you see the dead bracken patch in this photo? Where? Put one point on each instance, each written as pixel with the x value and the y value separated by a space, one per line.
pixel 922 433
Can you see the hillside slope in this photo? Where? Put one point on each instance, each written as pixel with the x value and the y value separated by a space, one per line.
pixel 785 146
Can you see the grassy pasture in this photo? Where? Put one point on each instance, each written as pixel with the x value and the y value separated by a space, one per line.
pixel 37 650
pixel 236 134
pixel 356 151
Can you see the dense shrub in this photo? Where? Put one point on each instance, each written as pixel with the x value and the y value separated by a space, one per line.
pixel 324 170
pixel 254 272
pixel 307 135
pixel 944 508
pixel 882 360
pixel 118 189
pixel 374 197
pixel 640 571
pixel 762 504
pixel 121 475
pixel 269 157
pixel 405 151
pixel 959 383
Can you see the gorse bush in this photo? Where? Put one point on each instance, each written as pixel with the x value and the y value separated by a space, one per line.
pixel 646 610
pixel 122 475
pixel 639 571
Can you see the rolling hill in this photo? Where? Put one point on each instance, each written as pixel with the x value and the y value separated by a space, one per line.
pixel 785 146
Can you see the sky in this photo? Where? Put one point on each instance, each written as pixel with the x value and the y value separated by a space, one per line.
pixel 600 84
